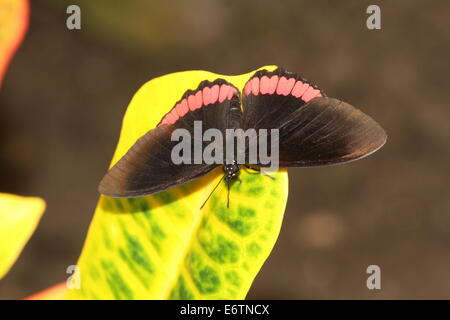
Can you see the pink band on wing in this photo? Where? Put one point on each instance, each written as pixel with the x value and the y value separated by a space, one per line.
pixel 248 88
pixel 299 89
pixel 255 85
pixel 175 114
pixel 206 96
pixel 310 94
pixel 285 86
pixel 198 99
pixel 178 109
pixel 282 86
pixel 182 108
pixel 231 93
pixel 273 82
pixel 191 102
pixel 201 98
pixel 185 105
pixel 215 93
pixel 171 118
pixel 264 84
pixel 223 94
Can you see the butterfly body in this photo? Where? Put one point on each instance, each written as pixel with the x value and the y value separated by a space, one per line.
pixel 231 171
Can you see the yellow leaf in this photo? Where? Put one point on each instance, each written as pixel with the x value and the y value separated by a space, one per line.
pixel 13 24
pixel 163 246
pixel 19 217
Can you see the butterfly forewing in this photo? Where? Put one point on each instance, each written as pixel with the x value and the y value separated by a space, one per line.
pixel 327 131
pixel 148 167
pixel 270 98
pixel 313 130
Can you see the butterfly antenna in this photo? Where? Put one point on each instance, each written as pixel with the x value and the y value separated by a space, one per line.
pixel 228 195
pixel 212 192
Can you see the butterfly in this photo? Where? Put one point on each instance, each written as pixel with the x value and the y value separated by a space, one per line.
pixel 313 130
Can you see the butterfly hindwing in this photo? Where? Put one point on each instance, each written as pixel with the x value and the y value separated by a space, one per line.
pixel 147 167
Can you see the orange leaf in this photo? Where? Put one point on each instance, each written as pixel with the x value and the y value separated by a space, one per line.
pixel 14 16
pixel 56 292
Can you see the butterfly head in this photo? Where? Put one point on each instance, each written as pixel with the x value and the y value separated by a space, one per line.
pixel 231 171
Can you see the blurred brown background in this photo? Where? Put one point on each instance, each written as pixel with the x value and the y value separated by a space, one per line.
pixel 66 91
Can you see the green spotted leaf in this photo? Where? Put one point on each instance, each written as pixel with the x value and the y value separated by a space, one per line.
pixel 163 246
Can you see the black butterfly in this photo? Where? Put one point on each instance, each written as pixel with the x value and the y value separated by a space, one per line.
pixel 314 130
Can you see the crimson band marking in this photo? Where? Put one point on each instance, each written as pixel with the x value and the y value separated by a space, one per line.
pixel 201 98
pixel 281 86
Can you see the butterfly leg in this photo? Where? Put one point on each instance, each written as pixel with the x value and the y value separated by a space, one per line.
pixel 258 170
pixel 228 194
pixel 212 192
